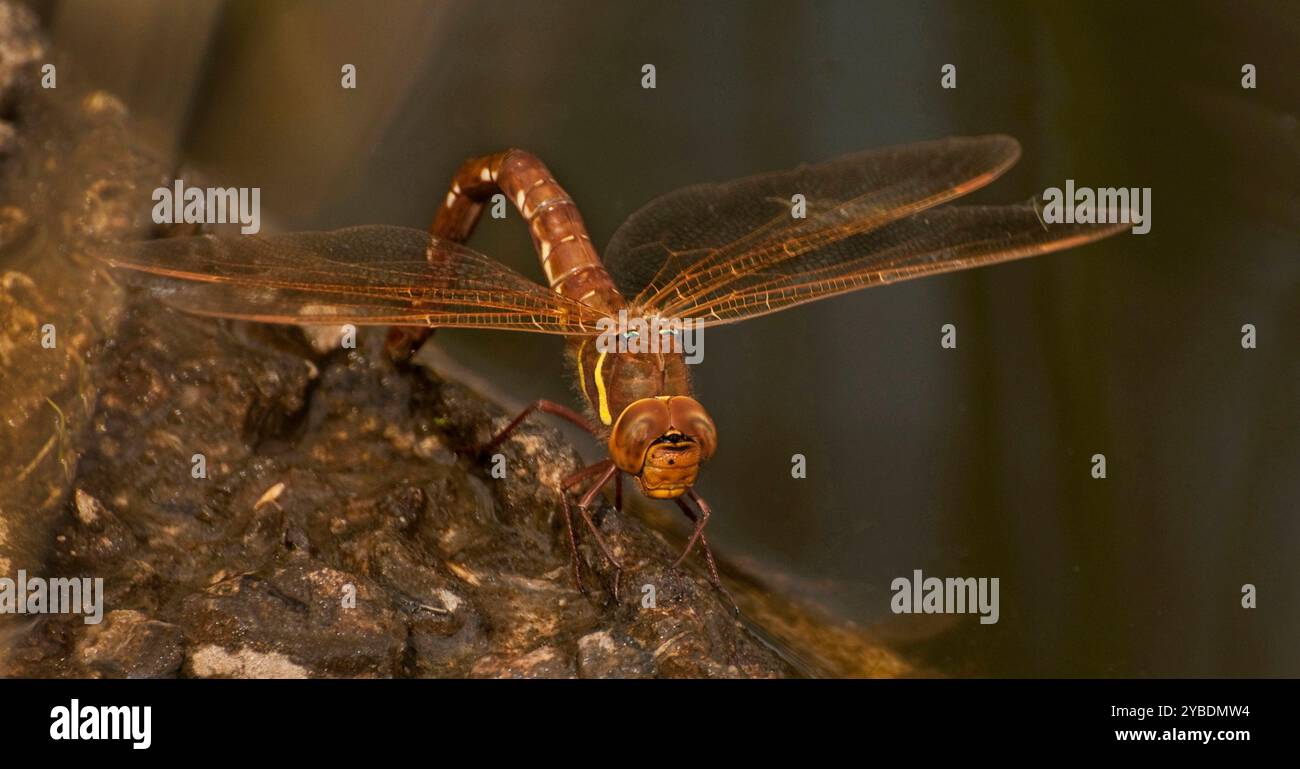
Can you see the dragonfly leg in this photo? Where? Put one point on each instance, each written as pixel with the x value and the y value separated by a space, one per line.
pixel 701 521
pixel 714 578
pixel 584 474
pixel 573 543
pixel 618 491
pixel 605 469
pixel 549 407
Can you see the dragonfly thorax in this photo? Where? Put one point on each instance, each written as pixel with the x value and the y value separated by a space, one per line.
pixel 611 381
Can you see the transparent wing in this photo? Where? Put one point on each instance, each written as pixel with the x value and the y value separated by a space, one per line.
pixel 694 240
pixel 939 240
pixel 373 275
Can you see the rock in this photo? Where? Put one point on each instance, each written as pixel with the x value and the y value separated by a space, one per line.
pixel 338 539
pixel 127 644
pixel 95 532
pixel 212 661
pixel 543 662
pixel 21 45
pixel 69 179
pixel 601 656
pixel 446 645
pixel 307 617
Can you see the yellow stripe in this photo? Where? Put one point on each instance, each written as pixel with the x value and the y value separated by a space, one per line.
pixel 603 404
pixel 582 375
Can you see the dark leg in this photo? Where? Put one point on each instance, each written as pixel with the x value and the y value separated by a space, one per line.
pixel 549 407
pixel 584 505
pixel 714 578
pixel 585 473
pixel 573 543
pixel 603 469
pixel 618 492
pixel 565 485
pixel 583 509
pixel 700 523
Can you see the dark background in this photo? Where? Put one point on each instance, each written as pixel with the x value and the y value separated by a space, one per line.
pixel 966 462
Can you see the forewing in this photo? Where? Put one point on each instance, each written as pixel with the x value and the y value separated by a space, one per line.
pixel 372 275
pixel 686 241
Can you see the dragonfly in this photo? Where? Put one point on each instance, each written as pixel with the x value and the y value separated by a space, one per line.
pixel 707 255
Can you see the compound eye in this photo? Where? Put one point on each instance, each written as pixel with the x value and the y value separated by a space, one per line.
pixel 634 430
pixel 689 417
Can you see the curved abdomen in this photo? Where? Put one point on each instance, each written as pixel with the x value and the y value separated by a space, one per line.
pixel 568 258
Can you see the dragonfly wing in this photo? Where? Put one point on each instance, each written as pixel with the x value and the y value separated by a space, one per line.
pixel 372 275
pixel 709 230
pixel 942 239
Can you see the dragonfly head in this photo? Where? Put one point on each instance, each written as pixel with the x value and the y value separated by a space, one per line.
pixel 663 441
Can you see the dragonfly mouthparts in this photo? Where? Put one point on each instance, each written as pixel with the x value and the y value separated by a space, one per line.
pixel 673 438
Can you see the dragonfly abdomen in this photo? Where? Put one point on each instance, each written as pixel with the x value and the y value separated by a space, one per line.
pixel 568 258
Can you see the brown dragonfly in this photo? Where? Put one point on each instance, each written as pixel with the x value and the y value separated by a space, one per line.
pixel 709 254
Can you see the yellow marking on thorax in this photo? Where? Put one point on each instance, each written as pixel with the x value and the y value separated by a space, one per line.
pixel 602 404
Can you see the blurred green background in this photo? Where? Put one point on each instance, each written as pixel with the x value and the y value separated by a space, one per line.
pixel 966 462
